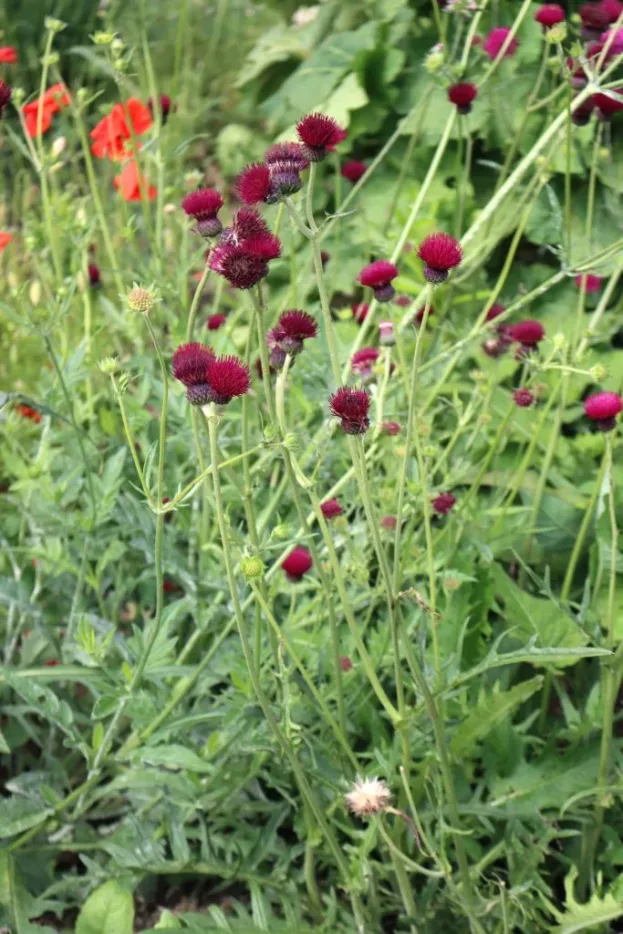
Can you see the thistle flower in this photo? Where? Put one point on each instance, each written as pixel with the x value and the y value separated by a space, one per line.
pixel 203 205
pixel 294 327
pixel 439 252
pixel 527 334
pixel 246 223
pixel 403 301
pixel 462 96
pixel 549 15
pixel 614 39
pixel 523 398
pixel 318 134
pixel 353 170
pixel 214 322
pixel 390 428
pixel 351 406
pixel 345 663
pixel 389 523
pixel 287 152
pixel 285 179
pixel 592 282
pixel 368 796
pixel 254 184
pixel 360 311
pixel 494 347
pixel 165 106
pixel 93 272
pixel 297 563
pixel 140 299
pixel 443 503
pixel 362 361
pixel 606 105
pixel 5 96
pixel 495 311
pixel 227 377
pixel 492 45
pixel 581 115
pixel 378 276
pixel 190 363
pixel 419 315
pixel 603 408
pixel 386 334
pixel 264 245
pixel 331 508
pixel 241 268
pixel 596 16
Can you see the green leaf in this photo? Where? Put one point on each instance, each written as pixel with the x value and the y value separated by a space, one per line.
pixel 580 917
pixel 491 709
pixel 547 784
pixel 104 706
pixel 174 757
pixel 167 920
pixel 107 910
pixel 45 703
pixel 17 906
pixel 18 814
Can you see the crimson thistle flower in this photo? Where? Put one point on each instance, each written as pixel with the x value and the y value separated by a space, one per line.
pixel 295 326
pixel 439 252
pixel 242 268
pixel 214 322
pixel 419 315
pixel 443 503
pixel 351 406
pixel 606 105
pixel 287 152
pixel 203 205
pixel 550 14
pixel 463 95
pixel 246 223
pixel 353 170
pixel 277 356
pixel 378 276
pixel 362 361
pixel 5 95
pixel 389 523
pixel 603 408
pixel 592 282
pixel 528 334
pixel 331 509
pixel 165 107
pixel 523 398
pixel 390 428
pixel 318 134
pixel 94 274
pixel 494 42
pixel 190 362
pixel 228 377
pixel 360 310
pixel 208 378
pixel 297 563
pixel 254 184
pixel 345 663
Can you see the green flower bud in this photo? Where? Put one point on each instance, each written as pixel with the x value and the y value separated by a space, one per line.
pixel 108 365
pixel 252 567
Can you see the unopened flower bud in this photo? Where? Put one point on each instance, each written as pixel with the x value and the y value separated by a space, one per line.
pixel 140 299
pixel 54 25
pixel 556 33
pixel 559 340
pixel 599 372
pixel 103 38
pixel 252 567
pixel 108 365
pixel 117 46
pixel 281 531
pixel 386 333
pixel 58 146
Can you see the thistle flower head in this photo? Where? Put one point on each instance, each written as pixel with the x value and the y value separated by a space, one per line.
pixel 607 105
pixel 581 114
pixel 345 663
pixel 496 39
pixel 294 327
pixel 203 205
pixel 592 282
pixel 378 276
pixel 495 311
pixel 389 523
pixel 297 563
pixel 443 503
pixel 331 508
pixel 603 408
pixel 214 322
pixel 93 272
pixel 246 223
pixel 351 406
pixel 368 796
pixel 287 152
pixel 549 15
pixel 386 333
pixel 463 95
pixel 439 252
pixel 5 95
pixel 241 268
pixel 227 377
pixel 254 185
pixel 523 398
pixel 390 428
pixel 285 179
pixel 528 333
pixel 353 170
pixel 190 362
pixel 360 310
pixel 318 134
pixel 362 361
pixel 140 299
pixel 166 105
pixel 419 315
pixel 264 245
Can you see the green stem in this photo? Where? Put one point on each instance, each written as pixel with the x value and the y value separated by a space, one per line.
pixel 579 542
pixel 194 307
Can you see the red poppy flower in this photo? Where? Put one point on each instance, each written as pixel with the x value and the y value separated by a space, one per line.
pixel 117 129
pixel 129 182
pixel 8 55
pixel 26 412
pixel 5 239
pixel 51 102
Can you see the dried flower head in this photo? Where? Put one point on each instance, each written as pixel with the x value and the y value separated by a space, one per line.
pixel 297 563
pixel 378 276
pixel 603 408
pixel 592 283
pixel 331 509
pixel 463 96
pixel 495 41
pixel 549 15
pixel 140 299
pixel 523 398
pixel 351 406
pixel 390 428
pixel 203 205
pixel 363 361
pixel 443 503
pixel 368 796
pixel 294 327
pixel 318 134
pixel 287 152
pixel 241 268
pixel 353 170
pixel 254 184
pixel 439 252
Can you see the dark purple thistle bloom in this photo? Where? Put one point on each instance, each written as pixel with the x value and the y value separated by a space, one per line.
pixel 227 377
pixel 294 327
pixel 353 170
pixel 297 563
pixel 550 14
pixel 351 406
pixel 331 509
pixel 379 276
pixel 166 105
pixel 95 277
pixel 463 96
pixel 363 361
pixel 254 184
pixel 5 96
pixel 318 134
pixel 443 503
pixel 287 152
pixel 523 398
pixel 241 268
pixel 203 205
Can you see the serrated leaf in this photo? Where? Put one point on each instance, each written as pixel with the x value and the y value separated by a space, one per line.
pixel 108 910
pixel 492 707
pixel 45 703
pixel 581 917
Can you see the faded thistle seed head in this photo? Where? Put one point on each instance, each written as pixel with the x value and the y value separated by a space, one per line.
pixel 140 299
pixel 368 796
pixel 252 567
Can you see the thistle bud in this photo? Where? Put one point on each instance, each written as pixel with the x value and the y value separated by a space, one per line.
pixel 252 567
pixel 140 299
pixel 108 365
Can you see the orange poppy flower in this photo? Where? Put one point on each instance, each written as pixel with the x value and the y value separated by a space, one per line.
pixel 5 239
pixel 129 183
pixel 50 103
pixel 8 55
pixel 114 130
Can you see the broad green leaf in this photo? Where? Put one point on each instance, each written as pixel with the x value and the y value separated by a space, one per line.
pixel 107 910
pixel 547 784
pixel 17 906
pixel 18 814
pixel 45 703
pixel 174 757
pixel 167 920
pixel 491 708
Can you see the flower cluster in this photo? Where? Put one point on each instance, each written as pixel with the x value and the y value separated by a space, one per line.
pixel 287 337
pixel 244 250
pixel 209 378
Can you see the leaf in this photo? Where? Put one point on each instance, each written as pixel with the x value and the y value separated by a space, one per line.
pixel 491 709
pixel 45 703
pixel 580 917
pixel 107 486
pixel 17 906
pixel 548 784
pixel 174 757
pixel 18 814
pixel 107 910
pixel 348 96
pixel 167 920
pixel 545 221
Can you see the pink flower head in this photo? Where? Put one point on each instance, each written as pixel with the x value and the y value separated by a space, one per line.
pixel 254 184
pixel 603 408
pixel 390 428
pixel 297 564
pixel 360 311
pixel 549 15
pixel 94 274
pixel 378 276
pixel 166 105
pixel 345 663
pixel 419 315
pixel 443 503
pixel 241 268
pixel 5 95
pixel 362 361
pixel 318 134
pixel 389 523
pixel 614 39
pixel 353 170
pixel 527 333
pixel 204 205
pixel 227 377
pixel 606 105
pixel 264 245
pixel 592 282
pixel 495 311
pixel 214 322
pixel 596 16
pixel 439 252
pixel 494 42
pixel 277 356
pixel 287 152
pixel 294 327
pixel 386 334
pixel 462 96
pixel 246 223
pixel 351 406
pixel 331 509
pixel 190 363
pixel 523 398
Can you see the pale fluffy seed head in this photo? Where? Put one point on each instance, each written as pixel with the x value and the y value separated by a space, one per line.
pixel 368 796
